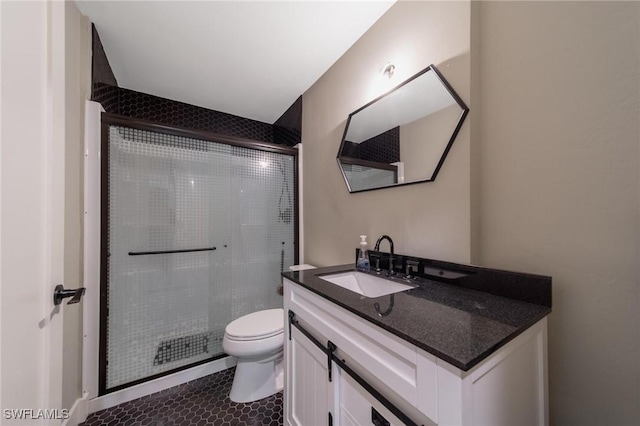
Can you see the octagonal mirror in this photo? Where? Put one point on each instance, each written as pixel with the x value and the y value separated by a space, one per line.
pixel 403 136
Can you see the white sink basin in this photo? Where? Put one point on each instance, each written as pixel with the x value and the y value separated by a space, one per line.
pixel 365 284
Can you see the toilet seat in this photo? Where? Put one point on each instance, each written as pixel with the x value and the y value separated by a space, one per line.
pixel 256 326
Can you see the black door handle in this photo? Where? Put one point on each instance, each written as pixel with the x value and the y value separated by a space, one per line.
pixel 377 419
pixel 59 293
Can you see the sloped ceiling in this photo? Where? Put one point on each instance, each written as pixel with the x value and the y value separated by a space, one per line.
pixel 251 59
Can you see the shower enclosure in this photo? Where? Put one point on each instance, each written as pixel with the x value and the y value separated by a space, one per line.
pixel 195 232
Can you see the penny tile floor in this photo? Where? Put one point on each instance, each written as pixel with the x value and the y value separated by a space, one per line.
pixel 200 402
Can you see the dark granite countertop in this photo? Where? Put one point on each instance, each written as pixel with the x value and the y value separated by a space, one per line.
pixel 460 325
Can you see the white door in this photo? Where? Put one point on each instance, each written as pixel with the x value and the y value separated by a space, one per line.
pixel 32 165
pixel 307 382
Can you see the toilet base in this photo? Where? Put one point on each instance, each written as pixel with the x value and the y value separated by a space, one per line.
pixel 254 380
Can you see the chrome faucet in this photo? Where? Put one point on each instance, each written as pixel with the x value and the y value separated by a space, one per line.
pixel 377 248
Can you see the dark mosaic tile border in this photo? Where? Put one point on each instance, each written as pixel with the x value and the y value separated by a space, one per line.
pixel 286 136
pixel 383 148
pixel 166 111
pixel 107 96
pixel 130 103
pixel 200 402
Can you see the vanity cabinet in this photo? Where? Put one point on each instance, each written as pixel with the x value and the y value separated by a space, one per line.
pixel 375 377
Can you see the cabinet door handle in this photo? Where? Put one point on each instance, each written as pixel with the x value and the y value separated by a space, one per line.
pixel 377 419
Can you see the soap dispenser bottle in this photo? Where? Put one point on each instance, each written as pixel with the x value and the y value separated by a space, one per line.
pixel 363 256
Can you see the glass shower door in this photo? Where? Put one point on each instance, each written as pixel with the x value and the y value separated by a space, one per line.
pixel 262 228
pixel 166 194
pixel 198 233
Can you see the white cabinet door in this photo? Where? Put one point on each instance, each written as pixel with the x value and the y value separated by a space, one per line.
pixel 307 380
pixel 357 407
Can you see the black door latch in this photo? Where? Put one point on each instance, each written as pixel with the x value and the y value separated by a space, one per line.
pixel 59 293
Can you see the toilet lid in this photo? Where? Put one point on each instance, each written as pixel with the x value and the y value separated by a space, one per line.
pixel 257 325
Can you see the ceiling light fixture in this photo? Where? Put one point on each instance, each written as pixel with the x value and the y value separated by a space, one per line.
pixel 388 70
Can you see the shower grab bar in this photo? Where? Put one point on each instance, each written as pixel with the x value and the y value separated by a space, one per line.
pixel 141 253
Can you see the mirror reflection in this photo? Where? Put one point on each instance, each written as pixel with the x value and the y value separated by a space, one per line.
pixel 403 136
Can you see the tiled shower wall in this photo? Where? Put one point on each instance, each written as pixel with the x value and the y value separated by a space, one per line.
pixel 168 193
pixel 383 148
pixel 173 113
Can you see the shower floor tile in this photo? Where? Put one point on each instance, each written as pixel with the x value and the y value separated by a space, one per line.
pixel 200 402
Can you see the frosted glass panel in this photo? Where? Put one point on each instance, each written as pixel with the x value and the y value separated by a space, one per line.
pixel 167 193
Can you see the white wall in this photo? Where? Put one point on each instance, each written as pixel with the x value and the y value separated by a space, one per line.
pixel 430 220
pixel 559 187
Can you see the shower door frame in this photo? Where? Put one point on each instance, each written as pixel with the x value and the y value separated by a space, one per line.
pixel 108 119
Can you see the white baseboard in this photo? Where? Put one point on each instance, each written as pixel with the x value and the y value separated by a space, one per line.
pixel 157 385
pixel 78 412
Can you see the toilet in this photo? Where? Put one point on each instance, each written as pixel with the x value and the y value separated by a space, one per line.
pixel 257 341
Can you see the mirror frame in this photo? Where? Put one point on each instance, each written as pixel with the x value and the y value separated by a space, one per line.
pixel 454 134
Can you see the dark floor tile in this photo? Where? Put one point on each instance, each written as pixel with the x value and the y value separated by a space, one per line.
pixel 201 402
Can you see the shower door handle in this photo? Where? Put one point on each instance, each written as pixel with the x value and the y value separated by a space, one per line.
pixel 59 293
pixel 142 253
